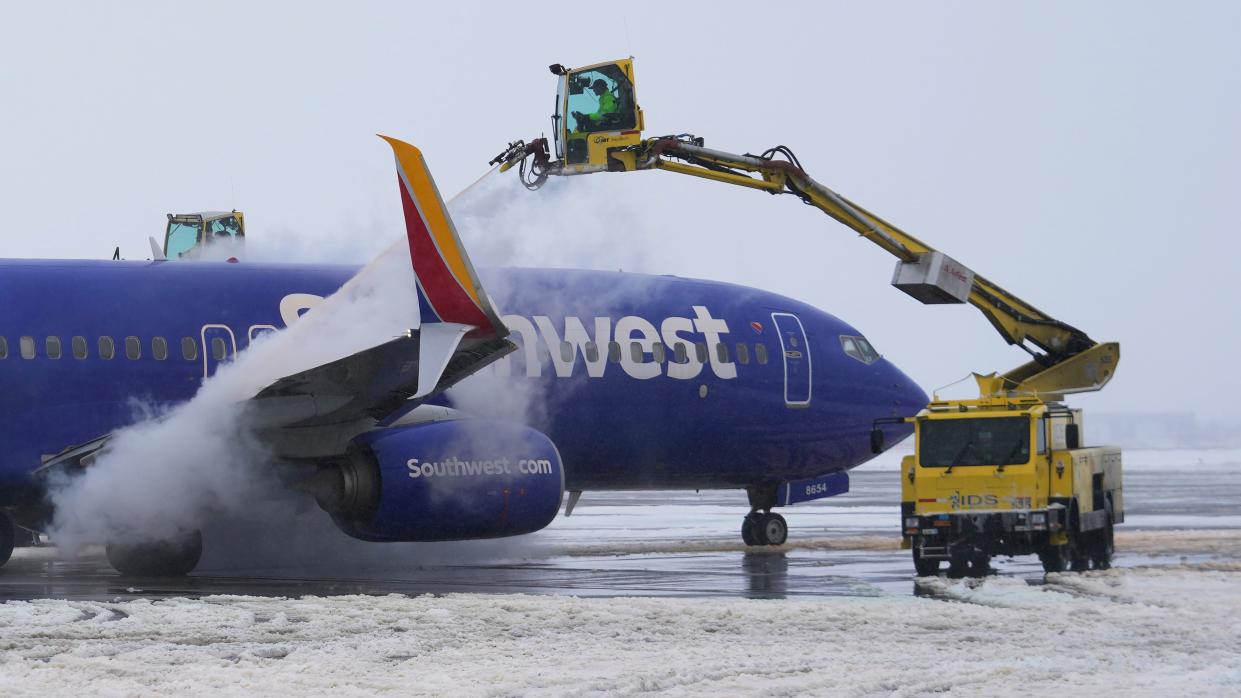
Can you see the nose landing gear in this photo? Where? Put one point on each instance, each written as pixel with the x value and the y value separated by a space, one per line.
pixel 762 526
pixel 759 528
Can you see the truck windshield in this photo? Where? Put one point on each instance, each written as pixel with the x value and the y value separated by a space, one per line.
pixel 991 441
pixel 182 236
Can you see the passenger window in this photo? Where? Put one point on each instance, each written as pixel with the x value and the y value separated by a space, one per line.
pixel 4 348
pixel 592 352
pixel 721 352
pixel 681 354
pixel 159 348
pixel 658 352
pixel 27 344
pixel 79 347
pixel 743 353
pixel 614 352
pixel 133 348
pixel 189 348
pixel 700 351
pixel 635 352
pixel 219 350
pixel 760 352
pixel 52 344
pixel 107 349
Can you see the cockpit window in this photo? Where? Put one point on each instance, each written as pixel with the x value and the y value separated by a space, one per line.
pixel 859 348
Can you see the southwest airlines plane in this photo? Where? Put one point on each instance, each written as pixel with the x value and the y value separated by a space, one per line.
pixel 648 382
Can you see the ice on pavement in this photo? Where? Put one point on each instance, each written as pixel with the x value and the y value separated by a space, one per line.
pixel 1138 631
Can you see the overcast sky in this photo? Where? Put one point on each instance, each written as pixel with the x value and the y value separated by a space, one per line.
pixel 1083 155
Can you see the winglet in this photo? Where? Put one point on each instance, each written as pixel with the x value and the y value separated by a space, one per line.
pixel 448 287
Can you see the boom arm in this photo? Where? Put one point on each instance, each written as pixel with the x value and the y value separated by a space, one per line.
pixel 1065 359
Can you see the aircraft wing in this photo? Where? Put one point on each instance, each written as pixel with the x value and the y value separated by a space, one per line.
pixel 459 332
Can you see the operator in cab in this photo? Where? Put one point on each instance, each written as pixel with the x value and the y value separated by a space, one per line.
pixel 607 105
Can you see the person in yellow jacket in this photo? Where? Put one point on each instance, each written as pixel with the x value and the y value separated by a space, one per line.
pixel 607 105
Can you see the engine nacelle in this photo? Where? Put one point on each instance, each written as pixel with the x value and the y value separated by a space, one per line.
pixel 456 480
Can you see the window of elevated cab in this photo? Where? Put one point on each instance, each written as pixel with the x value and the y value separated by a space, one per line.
pixel 961 442
pixel 600 99
pixel 182 235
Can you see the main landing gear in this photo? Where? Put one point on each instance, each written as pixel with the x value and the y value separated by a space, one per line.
pixel 170 557
pixel 762 526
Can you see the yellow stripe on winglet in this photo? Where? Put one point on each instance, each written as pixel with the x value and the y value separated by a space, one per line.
pixel 427 197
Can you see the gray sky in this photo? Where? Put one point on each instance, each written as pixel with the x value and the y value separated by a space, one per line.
pixel 1084 156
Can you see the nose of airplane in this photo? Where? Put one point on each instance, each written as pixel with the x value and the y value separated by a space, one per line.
pixel 908 398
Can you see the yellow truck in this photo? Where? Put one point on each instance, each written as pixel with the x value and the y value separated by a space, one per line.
pixel 1007 476
pixel 1001 474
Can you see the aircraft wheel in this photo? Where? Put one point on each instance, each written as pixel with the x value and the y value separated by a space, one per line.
pixel 775 530
pixel 161 558
pixel 8 537
pixel 749 529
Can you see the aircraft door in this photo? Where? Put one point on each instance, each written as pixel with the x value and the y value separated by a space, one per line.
pixel 796 352
pixel 219 345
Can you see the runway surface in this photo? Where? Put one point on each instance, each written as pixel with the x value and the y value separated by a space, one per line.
pixel 1182 508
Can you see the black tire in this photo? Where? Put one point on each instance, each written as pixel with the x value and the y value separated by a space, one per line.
pixel 1056 558
pixel 980 565
pixel 749 529
pixel 164 558
pixel 774 529
pixel 1104 547
pixel 8 537
pixel 922 566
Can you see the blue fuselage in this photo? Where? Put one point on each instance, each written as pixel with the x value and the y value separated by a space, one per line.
pixel 761 390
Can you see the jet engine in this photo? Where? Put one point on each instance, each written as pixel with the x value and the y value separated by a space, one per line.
pixel 455 480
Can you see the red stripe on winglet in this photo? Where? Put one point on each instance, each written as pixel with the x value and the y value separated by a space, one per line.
pixel 442 288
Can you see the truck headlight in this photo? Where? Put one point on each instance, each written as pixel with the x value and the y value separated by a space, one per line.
pixel 1039 518
pixel 911 522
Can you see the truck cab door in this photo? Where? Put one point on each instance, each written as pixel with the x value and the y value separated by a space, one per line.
pixel 599 113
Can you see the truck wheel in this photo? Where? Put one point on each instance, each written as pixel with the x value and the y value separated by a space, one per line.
pixel 1056 558
pixel 8 537
pixel 1103 549
pixel 958 566
pixel 980 565
pixel 922 566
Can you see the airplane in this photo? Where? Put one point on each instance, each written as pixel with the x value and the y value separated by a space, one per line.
pixel 643 382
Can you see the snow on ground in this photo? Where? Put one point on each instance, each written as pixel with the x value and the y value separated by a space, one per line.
pixel 1138 631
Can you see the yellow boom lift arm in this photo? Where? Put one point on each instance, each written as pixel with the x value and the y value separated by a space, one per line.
pixel 608 139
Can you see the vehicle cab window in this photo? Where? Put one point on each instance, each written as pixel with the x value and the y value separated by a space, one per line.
pixel 600 99
pixel 224 227
pixel 182 237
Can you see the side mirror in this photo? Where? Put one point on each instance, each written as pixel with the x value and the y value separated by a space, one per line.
pixel 1072 436
pixel 876 441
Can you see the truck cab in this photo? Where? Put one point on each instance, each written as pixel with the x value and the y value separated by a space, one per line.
pixel 1007 476
pixel 215 235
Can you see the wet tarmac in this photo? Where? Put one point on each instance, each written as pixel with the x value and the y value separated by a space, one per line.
pixel 652 544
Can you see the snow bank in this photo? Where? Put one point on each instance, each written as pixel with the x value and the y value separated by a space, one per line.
pixel 1132 632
